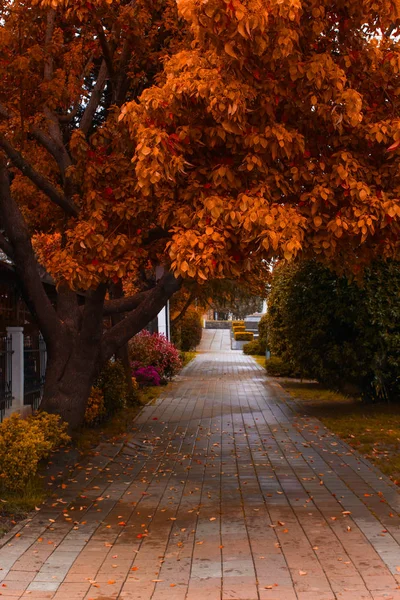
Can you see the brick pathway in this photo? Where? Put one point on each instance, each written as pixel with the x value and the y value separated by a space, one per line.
pixel 227 492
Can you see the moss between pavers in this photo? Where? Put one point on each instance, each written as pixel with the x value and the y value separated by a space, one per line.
pixel 373 430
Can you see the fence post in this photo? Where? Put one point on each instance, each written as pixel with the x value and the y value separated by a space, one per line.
pixel 17 369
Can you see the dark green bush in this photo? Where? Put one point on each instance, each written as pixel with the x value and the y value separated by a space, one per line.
pixel 186 335
pixel 276 367
pixel 244 336
pixel 113 384
pixel 263 332
pixel 237 324
pixel 254 348
pixel 338 332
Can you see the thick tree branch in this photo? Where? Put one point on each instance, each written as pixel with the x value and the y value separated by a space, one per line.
pixel 92 317
pixel 58 152
pixel 155 234
pixel 95 97
pixel 41 182
pixel 180 316
pixel 107 55
pixel 125 304
pixel 121 333
pixel 121 86
pixel 25 261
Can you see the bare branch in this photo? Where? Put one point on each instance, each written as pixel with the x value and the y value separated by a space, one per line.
pixel 51 20
pixel 41 182
pixel 58 152
pixel 121 84
pixel 95 97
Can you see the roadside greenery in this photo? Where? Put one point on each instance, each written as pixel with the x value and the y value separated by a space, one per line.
pixel 187 332
pixel 344 334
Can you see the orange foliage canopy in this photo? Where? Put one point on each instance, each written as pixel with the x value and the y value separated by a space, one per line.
pixel 271 131
pixel 276 133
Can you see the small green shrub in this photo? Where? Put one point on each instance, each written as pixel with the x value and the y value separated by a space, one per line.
pixel 263 332
pixel 113 385
pixel 244 336
pixel 186 357
pixel 254 348
pixel 276 367
pixel 24 443
pixel 95 409
pixel 186 335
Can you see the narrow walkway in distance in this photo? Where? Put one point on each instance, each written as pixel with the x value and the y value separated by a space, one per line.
pixel 226 493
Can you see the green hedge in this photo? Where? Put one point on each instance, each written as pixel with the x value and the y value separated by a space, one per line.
pixel 114 386
pixel 254 348
pixel 187 333
pixel 344 334
pixel 245 336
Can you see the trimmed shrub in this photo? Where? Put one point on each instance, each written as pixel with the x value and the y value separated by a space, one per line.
pixel 237 324
pixel 245 336
pixel 238 328
pixel 254 348
pixel 146 349
pixel 24 443
pixel 276 367
pixel 187 334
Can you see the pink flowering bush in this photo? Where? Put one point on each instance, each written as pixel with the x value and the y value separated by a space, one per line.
pixel 154 350
pixel 146 376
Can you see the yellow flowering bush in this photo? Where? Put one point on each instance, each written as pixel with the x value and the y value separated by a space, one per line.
pixel 24 443
pixel 95 409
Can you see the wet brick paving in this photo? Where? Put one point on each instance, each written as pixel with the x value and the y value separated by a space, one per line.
pixel 227 492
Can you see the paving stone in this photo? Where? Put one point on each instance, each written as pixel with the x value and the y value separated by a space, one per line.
pixel 227 491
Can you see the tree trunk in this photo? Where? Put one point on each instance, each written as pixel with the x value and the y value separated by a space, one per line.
pixel 77 356
pixel 122 353
pixel 69 378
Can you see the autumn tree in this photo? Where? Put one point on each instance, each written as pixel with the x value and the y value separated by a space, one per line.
pixel 67 189
pixel 207 137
